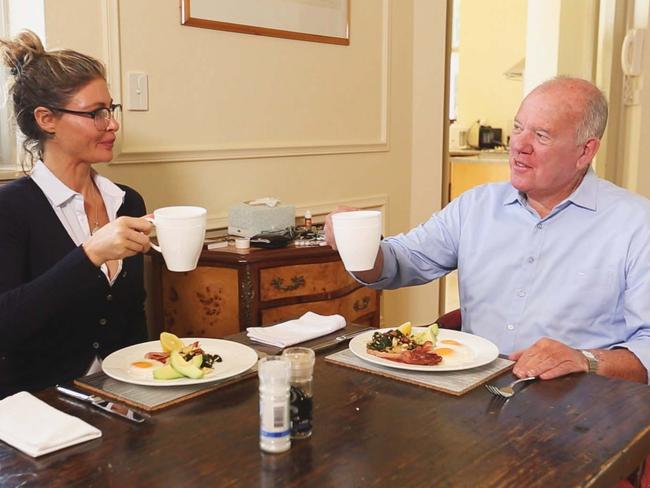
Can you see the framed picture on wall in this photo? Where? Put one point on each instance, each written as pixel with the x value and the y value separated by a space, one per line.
pixel 305 20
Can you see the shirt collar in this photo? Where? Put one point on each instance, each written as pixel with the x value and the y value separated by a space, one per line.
pixel 583 196
pixel 54 189
pixel 58 193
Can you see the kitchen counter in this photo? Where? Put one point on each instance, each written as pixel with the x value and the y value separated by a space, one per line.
pixel 464 152
pixel 492 157
pixel 470 170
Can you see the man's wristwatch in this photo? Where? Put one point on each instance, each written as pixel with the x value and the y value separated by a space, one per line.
pixel 591 360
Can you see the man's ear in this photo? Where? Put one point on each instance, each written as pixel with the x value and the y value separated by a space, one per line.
pixel 589 150
pixel 45 119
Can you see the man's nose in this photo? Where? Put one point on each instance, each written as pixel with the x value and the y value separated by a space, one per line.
pixel 521 142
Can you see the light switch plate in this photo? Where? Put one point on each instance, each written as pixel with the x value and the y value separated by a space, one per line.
pixel 138 91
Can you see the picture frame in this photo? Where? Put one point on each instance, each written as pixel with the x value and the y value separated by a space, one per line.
pixel 326 21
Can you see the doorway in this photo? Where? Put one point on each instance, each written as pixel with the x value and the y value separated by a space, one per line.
pixel 491 69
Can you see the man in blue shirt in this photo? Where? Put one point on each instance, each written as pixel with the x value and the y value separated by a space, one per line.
pixel 554 266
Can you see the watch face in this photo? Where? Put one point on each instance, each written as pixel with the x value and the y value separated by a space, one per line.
pixel 591 361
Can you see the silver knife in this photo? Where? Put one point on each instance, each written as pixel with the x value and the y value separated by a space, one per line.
pixel 106 405
pixel 339 339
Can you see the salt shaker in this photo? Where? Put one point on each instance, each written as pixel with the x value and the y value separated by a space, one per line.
pixel 301 376
pixel 273 372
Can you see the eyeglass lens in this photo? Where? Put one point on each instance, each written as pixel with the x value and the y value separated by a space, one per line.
pixel 103 116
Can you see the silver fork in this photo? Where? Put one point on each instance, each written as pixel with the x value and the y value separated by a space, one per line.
pixel 507 391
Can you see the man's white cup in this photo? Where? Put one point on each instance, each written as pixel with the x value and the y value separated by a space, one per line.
pixel 181 233
pixel 357 236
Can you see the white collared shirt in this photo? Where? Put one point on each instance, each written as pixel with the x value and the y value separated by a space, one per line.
pixel 69 207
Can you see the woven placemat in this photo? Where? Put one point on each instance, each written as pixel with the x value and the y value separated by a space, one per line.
pixel 152 398
pixel 451 382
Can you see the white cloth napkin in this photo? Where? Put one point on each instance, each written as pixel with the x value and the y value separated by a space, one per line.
pixel 34 427
pixel 309 326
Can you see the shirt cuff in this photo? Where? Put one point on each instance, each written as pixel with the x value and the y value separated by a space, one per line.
pixel 387 272
pixel 640 350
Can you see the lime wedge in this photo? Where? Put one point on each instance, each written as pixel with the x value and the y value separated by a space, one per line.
pixel 430 334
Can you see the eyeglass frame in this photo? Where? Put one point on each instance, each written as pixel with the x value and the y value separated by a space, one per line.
pixel 93 114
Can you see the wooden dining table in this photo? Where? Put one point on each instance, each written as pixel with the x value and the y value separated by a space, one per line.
pixel 579 430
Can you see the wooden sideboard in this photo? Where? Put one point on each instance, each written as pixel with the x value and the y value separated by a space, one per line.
pixel 232 289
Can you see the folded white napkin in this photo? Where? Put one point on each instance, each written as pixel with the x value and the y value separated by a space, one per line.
pixel 34 427
pixel 309 326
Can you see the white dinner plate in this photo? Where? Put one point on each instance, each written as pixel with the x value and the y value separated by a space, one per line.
pixel 236 357
pixel 481 351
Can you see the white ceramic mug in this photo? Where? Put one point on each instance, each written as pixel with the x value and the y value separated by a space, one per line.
pixel 357 236
pixel 181 233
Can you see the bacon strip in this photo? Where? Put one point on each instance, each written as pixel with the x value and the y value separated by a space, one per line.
pixel 158 356
pixel 423 355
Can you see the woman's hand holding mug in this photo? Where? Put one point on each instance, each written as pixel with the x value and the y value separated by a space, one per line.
pixel 124 237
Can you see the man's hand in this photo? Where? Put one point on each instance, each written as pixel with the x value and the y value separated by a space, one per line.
pixel 548 359
pixel 329 230
pixel 124 237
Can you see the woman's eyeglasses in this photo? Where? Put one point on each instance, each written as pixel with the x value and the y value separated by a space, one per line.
pixel 101 116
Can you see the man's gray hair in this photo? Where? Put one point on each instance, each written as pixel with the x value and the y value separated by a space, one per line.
pixel 594 118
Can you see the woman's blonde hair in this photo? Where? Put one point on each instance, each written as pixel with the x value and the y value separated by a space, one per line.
pixel 42 79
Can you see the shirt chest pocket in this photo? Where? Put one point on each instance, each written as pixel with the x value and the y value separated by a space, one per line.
pixel 590 278
pixel 587 294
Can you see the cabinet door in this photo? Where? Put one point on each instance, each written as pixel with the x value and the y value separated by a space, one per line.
pixel 353 306
pixel 203 303
pixel 302 280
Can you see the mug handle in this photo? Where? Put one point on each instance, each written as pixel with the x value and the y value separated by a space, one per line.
pixel 157 248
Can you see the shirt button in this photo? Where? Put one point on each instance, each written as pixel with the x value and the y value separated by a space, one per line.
pixel 522 293
pixel 95 345
pixel 510 327
pixel 539 226
pixel 531 260
pixel 124 275
pixel 109 298
pixel 103 321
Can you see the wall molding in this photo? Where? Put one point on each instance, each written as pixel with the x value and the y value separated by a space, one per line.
pixel 319 210
pixel 138 155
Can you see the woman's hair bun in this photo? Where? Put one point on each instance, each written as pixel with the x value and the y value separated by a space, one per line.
pixel 21 50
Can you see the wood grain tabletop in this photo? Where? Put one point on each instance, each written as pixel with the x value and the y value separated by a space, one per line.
pixel 580 430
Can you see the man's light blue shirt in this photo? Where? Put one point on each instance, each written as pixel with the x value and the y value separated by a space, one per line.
pixel 581 275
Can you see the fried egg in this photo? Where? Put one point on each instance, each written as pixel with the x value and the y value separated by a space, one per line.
pixel 143 369
pixel 453 353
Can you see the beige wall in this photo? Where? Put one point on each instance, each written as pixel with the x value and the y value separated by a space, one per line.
pixel 237 116
pixel 561 39
pixel 492 39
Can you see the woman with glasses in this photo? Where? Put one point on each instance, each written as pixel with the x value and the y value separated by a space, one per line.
pixel 71 241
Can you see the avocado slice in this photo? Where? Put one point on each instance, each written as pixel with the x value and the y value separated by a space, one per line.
pixel 197 360
pixel 185 368
pixel 167 372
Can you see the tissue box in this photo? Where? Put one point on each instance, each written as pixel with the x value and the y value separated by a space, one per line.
pixel 248 220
